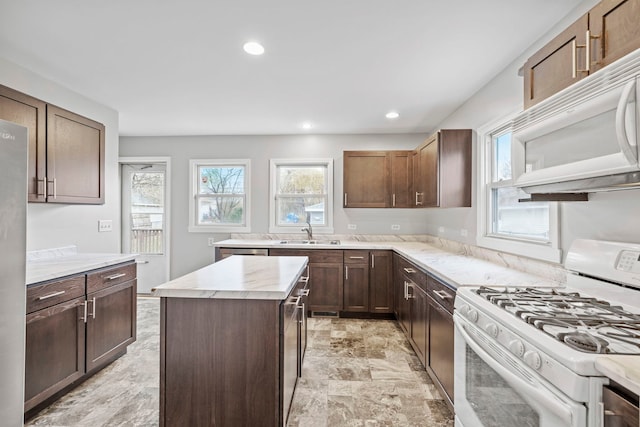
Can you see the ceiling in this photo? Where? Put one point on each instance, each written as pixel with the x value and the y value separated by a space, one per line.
pixel 174 67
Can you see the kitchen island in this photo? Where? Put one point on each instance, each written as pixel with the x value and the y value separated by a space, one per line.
pixel 231 342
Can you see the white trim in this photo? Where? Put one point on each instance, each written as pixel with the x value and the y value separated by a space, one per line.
pixel 167 212
pixel 273 164
pixel 543 251
pixel 193 185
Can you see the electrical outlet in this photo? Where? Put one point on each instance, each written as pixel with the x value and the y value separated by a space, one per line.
pixel 211 241
pixel 463 232
pixel 440 229
pixel 105 225
pixel 352 226
pixel 395 227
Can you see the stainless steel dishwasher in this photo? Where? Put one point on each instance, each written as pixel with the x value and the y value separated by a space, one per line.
pixel 222 253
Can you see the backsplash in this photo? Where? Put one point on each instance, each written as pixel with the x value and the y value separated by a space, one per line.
pixel 543 269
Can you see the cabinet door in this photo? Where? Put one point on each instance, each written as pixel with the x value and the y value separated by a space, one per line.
pixel 401 179
pixel 557 65
pixel 366 179
pixel 111 323
pixel 24 110
pixel 325 284
pixel 428 175
pixel 356 287
pixel 614 26
pixel 75 158
pixel 55 349
pixel 289 354
pixel 381 282
pixel 441 349
pixel 419 322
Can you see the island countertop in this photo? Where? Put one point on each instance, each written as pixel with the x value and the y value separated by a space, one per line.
pixel 238 277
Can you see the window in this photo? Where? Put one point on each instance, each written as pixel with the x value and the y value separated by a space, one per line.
pixel 220 191
pixel 505 223
pixel 301 191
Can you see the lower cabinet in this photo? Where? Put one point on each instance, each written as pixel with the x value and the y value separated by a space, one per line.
pixel 356 281
pixel 70 334
pixel 620 406
pixel 441 333
pixel 381 296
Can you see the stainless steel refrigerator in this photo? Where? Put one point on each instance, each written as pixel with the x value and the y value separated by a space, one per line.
pixel 13 236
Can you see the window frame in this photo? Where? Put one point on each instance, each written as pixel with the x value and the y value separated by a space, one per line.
pixel 546 251
pixel 273 206
pixel 194 227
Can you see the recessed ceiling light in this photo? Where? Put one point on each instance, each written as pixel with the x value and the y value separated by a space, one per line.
pixel 392 115
pixel 307 125
pixel 253 48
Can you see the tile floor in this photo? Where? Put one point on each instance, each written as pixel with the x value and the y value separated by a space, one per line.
pixel 356 373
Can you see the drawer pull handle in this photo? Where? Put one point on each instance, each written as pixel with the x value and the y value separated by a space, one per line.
pixel 304 292
pixel 84 318
pixel 93 307
pixel 409 270
pixel 55 294
pixel 356 257
pixel 304 279
pixel 116 276
pixel 443 295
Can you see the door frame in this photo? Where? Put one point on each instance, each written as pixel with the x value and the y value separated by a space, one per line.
pixel 166 161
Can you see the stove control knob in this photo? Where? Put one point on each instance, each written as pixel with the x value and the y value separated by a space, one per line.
pixel 516 347
pixel 472 315
pixel 533 359
pixel 464 309
pixel 492 329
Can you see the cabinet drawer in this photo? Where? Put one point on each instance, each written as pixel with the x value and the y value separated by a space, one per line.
pixel 106 277
pixel 356 257
pixel 45 295
pixel 314 255
pixel 412 272
pixel 442 293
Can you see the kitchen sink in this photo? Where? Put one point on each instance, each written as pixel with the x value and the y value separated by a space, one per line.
pixel 310 242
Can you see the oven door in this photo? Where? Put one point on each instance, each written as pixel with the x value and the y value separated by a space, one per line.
pixel 494 388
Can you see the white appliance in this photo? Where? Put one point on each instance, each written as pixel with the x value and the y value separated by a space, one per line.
pixel 13 288
pixel 526 356
pixel 584 138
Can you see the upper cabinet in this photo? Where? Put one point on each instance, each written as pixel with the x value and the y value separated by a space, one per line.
pixel 377 179
pixel 608 32
pixel 66 150
pixel 442 170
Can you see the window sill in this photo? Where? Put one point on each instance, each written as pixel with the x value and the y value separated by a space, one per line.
pixel 298 229
pixel 218 229
pixel 539 251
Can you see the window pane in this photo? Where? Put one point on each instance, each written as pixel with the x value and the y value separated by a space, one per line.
pixel 513 218
pixel 502 160
pixel 301 179
pixel 221 180
pixel 296 210
pixel 147 211
pixel 220 210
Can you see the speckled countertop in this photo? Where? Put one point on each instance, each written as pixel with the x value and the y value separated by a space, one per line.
pixel 623 369
pixel 49 264
pixel 238 277
pixel 454 268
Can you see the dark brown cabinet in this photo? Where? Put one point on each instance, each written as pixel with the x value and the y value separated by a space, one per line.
pixel 441 334
pixel 621 407
pixel 608 32
pixel 381 282
pixel 443 170
pixel 419 321
pixel 366 179
pixel 356 281
pixel 75 326
pixel 55 338
pixel 325 277
pixel 66 150
pixel 401 163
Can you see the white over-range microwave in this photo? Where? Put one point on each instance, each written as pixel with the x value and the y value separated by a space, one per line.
pixel 584 138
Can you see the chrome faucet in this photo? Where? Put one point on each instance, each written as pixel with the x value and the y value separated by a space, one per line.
pixel 309 230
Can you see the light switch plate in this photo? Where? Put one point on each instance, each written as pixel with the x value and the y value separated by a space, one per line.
pixel 105 225
pixel 352 226
pixel 211 241
pixel 395 226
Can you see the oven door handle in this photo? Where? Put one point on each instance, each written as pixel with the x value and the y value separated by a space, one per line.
pixel 522 386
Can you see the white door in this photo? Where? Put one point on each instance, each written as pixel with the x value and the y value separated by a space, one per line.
pixel 144 221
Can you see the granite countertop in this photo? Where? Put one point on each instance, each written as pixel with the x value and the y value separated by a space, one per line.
pixel 454 268
pixel 49 264
pixel 238 277
pixel 623 369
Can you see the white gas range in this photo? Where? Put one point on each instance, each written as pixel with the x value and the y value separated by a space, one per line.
pixel 526 356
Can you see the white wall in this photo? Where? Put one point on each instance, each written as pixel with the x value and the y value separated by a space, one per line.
pixel 607 216
pixel 54 225
pixel 190 250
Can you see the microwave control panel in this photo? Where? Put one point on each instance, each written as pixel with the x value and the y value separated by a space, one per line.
pixel 629 261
